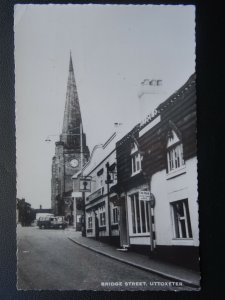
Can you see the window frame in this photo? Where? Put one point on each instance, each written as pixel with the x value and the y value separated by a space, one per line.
pixel 115 217
pixel 102 218
pixel 178 229
pixel 90 222
pixel 174 154
pixel 138 210
pixel 135 160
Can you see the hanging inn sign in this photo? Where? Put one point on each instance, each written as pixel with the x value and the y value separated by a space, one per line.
pixel 85 184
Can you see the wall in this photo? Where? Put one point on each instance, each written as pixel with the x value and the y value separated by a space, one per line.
pixel 97 170
pixel 167 190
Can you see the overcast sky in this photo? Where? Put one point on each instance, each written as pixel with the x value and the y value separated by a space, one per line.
pixel 113 49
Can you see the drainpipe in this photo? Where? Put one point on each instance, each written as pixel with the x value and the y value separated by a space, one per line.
pixel 81 166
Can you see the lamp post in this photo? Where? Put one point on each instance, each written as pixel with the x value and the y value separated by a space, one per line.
pixel 81 170
pixel 108 181
pixel 83 193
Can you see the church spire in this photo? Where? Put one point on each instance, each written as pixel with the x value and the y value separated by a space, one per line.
pixel 71 64
pixel 72 115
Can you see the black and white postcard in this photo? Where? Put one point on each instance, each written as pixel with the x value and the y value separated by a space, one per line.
pixel 107 191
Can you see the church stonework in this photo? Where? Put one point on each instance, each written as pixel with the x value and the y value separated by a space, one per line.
pixel 67 159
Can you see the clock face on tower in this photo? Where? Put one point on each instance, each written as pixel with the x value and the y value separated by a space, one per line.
pixel 74 163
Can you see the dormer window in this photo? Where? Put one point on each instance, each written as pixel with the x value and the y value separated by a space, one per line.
pixel 175 159
pixel 135 160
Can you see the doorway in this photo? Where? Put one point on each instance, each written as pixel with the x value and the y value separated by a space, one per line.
pixel 124 240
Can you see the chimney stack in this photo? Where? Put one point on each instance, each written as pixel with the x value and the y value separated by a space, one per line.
pixel 150 95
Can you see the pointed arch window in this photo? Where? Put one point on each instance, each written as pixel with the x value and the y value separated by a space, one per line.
pixel 175 160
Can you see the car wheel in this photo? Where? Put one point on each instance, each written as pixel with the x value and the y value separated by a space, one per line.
pixel 43 226
pixel 60 226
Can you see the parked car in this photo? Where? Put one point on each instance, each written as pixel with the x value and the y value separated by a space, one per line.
pixel 49 222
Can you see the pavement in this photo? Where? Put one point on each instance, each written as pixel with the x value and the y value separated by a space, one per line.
pixel 165 269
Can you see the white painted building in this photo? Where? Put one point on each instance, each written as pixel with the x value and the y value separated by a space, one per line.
pixel 159 156
pixel 101 215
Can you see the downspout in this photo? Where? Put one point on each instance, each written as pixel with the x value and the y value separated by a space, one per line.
pixel 81 166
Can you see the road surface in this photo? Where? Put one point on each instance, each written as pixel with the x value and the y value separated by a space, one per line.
pixel 48 260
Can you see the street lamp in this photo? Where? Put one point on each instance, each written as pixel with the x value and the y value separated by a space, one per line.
pixel 73 134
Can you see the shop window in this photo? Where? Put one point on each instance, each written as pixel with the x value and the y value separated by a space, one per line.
pixel 181 219
pixel 89 222
pixel 139 215
pixel 175 159
pixel 115 215
pixel 135 160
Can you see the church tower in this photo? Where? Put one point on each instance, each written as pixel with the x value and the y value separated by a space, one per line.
pixel 67 159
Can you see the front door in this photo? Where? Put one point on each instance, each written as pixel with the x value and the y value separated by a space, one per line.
pixel 124 240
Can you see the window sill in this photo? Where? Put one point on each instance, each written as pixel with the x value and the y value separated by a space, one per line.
pixel 138 172
pixel 115 226
pixel 102 228
pixel 146 234
pixel 176 173
pixel 183 242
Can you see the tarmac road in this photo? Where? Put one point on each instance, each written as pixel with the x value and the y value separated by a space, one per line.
pixel 48 260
